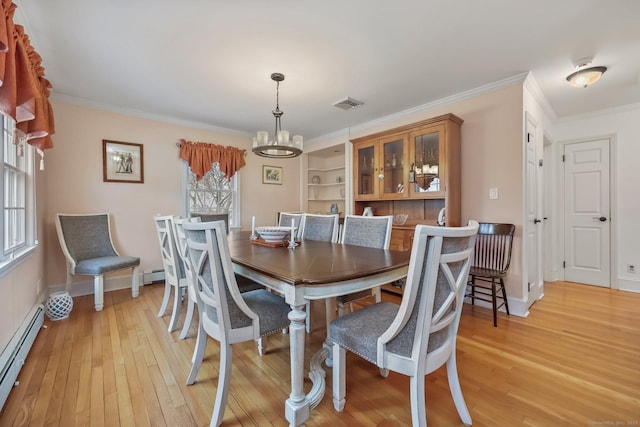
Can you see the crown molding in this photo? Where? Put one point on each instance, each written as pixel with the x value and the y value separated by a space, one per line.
pixel 82 102
pixel 488 88
pixel 600 113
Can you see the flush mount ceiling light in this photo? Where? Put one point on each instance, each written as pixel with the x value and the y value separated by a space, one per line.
pixel 585 76
pixel 280 147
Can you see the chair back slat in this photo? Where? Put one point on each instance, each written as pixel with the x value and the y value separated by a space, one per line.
pixel 493 247
pixel 183 252
pixel 173 267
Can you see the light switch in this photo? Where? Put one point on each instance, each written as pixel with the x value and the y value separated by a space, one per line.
pixel 493 193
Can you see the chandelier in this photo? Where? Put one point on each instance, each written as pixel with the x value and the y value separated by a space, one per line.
pixel 280 147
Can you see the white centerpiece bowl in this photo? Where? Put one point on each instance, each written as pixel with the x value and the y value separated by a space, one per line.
pixel 273 234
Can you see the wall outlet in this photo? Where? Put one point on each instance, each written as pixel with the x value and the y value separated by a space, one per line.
pixel 631 268
pixel 493 193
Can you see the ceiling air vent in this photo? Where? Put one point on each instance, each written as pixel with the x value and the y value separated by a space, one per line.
pixel 348 103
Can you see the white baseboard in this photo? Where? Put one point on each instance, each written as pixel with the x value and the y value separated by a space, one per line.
pixel 517 307
pixel 83 285
pixel 629 285
pixel 152 276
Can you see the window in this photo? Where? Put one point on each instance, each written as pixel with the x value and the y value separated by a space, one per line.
pixel 214 193
pixel 17 233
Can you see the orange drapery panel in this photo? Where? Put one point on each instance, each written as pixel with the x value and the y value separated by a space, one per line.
pixel 24 91
pixel 201 155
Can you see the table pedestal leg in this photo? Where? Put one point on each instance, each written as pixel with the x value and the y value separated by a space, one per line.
pixel 296 407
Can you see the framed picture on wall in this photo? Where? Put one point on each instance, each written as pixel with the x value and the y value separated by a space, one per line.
pixel 271 175
pixel 122 162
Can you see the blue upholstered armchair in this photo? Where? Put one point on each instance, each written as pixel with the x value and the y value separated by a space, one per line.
pixel 86 242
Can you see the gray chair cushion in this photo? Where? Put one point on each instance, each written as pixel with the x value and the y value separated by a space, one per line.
pixel 270 308
pixel 359 331
pixel 98 266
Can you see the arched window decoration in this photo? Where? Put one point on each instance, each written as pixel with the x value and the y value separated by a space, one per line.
pixel 211 194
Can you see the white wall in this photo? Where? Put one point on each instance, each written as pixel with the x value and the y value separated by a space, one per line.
pixel 624 126
pixel 74 180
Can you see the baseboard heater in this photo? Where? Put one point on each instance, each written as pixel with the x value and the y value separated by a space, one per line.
pixel 153 276
pixel 14 355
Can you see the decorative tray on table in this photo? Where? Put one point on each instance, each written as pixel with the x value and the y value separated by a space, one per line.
pixel 262 242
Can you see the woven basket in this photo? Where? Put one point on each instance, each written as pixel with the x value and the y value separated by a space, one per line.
pixel 58 305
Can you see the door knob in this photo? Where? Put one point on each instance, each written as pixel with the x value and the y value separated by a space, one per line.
pixel 600 218
pixel 536 220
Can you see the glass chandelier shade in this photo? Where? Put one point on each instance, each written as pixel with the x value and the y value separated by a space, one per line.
pixel 585 77
pixel 281 146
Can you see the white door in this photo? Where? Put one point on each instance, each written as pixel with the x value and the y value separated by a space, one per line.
pixel 533 225
pixel 586 213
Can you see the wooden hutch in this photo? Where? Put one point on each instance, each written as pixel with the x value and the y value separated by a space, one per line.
pixel 413 169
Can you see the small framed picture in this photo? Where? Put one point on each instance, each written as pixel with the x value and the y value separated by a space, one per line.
pixel 122 162
pixel 271 175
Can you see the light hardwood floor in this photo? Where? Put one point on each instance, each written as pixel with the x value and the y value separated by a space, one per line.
pixel 575 361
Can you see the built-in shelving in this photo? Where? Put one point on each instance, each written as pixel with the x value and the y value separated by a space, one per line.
pixel 326 180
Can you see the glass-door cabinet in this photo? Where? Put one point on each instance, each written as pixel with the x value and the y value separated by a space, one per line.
pixel 393 179
pixel 427 165
pixel 379 169
pixel 366 182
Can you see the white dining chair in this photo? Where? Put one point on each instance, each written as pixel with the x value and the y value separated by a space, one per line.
pixel 369 231
pixel 418 336
pixel 174 275
pixel 229 316
pixel 321 228
pixel 192 294
pixel 285 218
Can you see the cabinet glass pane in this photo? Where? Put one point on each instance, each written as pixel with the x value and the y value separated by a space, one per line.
pixel 427 162
pixel 365 170
pixel 393 181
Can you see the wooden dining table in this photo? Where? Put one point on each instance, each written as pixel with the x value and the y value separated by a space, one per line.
pixel 312 271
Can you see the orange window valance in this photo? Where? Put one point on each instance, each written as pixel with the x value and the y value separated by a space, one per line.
pixel 201 155
pixel 24 91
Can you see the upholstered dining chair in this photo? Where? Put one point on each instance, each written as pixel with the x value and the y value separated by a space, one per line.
pixel 323 228
pixel 369 231
pixel 244 284
pixel 229 316
pixel 206 217
pixel 418 336
pixel 88 248
pixel 285 218
pixel 491 261
pixel 174 274
pixel 193 301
